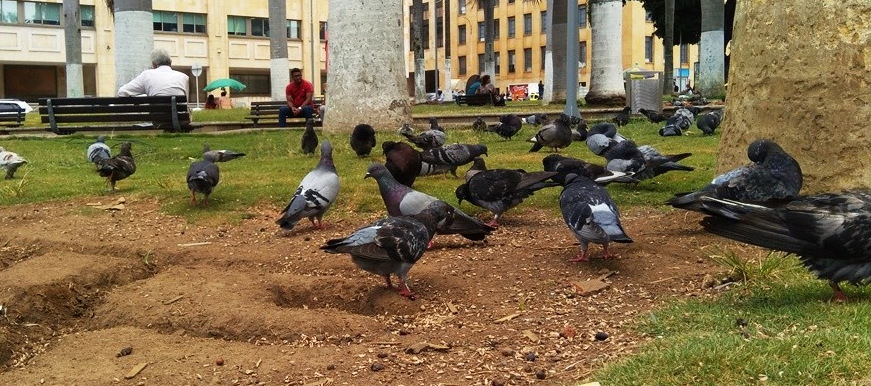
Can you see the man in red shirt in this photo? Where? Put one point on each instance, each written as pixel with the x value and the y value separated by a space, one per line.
pixel 299 98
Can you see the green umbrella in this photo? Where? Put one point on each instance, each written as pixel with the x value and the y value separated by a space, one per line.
pixel 224 82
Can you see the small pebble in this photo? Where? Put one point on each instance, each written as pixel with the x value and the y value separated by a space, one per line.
pixel 540 374
pixel 497 382
pixel 377 367
pixel 331 366
pixel 507 353
pixel 601 335
pixel 219 361
pixel 382 355
pixel 530 357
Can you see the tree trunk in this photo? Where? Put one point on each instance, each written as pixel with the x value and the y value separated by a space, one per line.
pixel 489 36
pixel 134 39
pixel 559 32
pixel 799 76
pixel 572 43
pixel 712 50
pixel 448 84
pixel 367 66
pixel 279 67
pixel 548 58
pixel 73 45
pixel 606 73
pixel 668 50
pixel 417 47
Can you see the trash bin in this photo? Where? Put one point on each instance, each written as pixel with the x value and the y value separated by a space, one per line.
pixel 643 89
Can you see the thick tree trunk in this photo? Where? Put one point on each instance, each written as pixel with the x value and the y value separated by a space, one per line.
pixel 367 66
pixel 489 36
pixel 559 32
pixel 73 45
pixel 572 42
pixel 134 39
pixel 668 50
pixel 417 47
pixel 448 86
pixel 279 67
pixel 799 77
pixel 548 58
pixel 606 73
pixel 712 50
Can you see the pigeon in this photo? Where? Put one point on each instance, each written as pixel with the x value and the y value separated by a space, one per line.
pixel 655 163
pixel 99 151
pixel 508 125
pixel 403 161
pixel 772 175
pixel 315 194
pixel 221 155
pixel 591 214
pixel 831 233
pixel 309 140
pixel 567 165
pixel 363 139
pixel 607 129
pixel 535 119
pixel 479 124
pixel 452 156
pixel 203 176
pixel 434 137
pixel 580 133
pixel 622 156
pixel 406 130
pixel 499 190
pixel 555 134
pixel 401 200
pixel 118 167
pixel 392 245
pixel 10 162
pixel 678 123
pixel 622 118
pixel 709 122
pixel 654 116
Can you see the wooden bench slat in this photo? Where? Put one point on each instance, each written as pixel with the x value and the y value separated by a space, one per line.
pixel 169 113
pixel 93 110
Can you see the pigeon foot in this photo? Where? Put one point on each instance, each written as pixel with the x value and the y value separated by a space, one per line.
pixel 580 258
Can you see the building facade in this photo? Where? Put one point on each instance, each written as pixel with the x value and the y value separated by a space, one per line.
pixel 227 38
pixel 521 37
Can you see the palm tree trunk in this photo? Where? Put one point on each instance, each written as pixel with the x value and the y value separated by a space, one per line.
pixel 366 85
pixel 489 36
pixel 417 47
pixel 606 73
pixel 712 50
pixel 279 67
pixel 73 44
pixel 134 38
pixel 572 42
pixel 548 57
pixel 448 87
pixel 668 49
pixel 559 32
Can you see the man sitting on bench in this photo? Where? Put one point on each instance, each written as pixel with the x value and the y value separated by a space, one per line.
pixel 299 98
pixel 160 80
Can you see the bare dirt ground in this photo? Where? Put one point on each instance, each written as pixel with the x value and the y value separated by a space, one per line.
pixel 241 304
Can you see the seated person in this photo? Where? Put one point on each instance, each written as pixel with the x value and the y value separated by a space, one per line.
pixel 299 98
pixel 225 102
pixel 211 104
pixel 473 89
pixel 487 87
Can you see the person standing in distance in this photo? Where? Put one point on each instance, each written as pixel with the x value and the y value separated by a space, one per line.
pixel 160 80
pixel 299 98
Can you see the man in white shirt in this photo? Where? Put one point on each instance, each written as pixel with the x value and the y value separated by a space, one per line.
pixel 159 80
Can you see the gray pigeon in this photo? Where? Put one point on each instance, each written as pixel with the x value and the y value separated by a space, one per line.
pixel 428 139
pixel 535 119
pixel 315 194
pixel 118 167
pixel 709 122
pixel 591 214
pixel 479 124
pixel 607 129
pixel 678 123
pixel 772 175
pixel 406 130
pixel 363 139
pixel 831 233
pixel 10 162
pixel 202 177
pixel 622 156
pixel 508 125
pixel 99 151
pixel 555 134
pixel 655 163
pixel 451 156
pixel 564 166
pixel 654 116
pixel 401 200
pixel 221 155
pixel 499 190
pixel 309 141
pixel 392 245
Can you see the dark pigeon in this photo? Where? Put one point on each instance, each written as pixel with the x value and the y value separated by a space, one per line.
pixel 567 165
pixel 555 134
pixel 434 137
pixel 499 190
pixel 406 130
pixel 772 175
pixel 655 163
pixel 622 156
pixel 654 116
pixel 607 129
pixel 202 177
pixel 622 118
pixel 363 139
pixel 99 151
pixel 315 194
pixel 678 123
pixel 591 214
pixel 403 161
pixel 479 124
pixel 401 200
pixel 580 132
pixel 535 119
pixel 831 233
pixel 309 140
pixel 221 155
pixel 508 125
pixel 451 156
pixel 392 245
pixel 709 122
pixel 118 167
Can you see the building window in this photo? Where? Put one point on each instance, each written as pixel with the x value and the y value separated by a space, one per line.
pixel 684 53
pixel 481 31
pixel 582 53
pixel 543 21
pixel 648 49
pixel 462 35
pixel 510 1
pixel 86 12
pixel 425 33
pixel 496 29
pixel 462 65
pixel 511 27
pixel 480 63
pixel 9 11
pixel 527 24
pixel 193 23
pixel 543 55
pixel 582 16
pixel 322 31
pixel 294 29
pixel 462 6
pixel 527 59
pixel 512 60
pixel 255 84
pixel 259 27
pixel 165 21
pixel 236 26
pixel 41 13
pixel 440 33
pixel 497 59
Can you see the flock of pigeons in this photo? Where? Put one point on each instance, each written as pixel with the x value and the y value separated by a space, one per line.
pixel 758 203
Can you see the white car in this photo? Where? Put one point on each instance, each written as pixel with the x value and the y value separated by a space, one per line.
pixel 6 106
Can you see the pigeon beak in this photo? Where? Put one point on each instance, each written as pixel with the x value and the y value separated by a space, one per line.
pixel 367 176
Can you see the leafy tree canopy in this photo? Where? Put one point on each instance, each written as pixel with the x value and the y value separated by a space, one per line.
pixel 687 19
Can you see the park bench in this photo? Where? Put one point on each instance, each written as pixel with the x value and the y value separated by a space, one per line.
pixel 11 115
pixel 268 110
pixel 69 115
pixel 474 100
